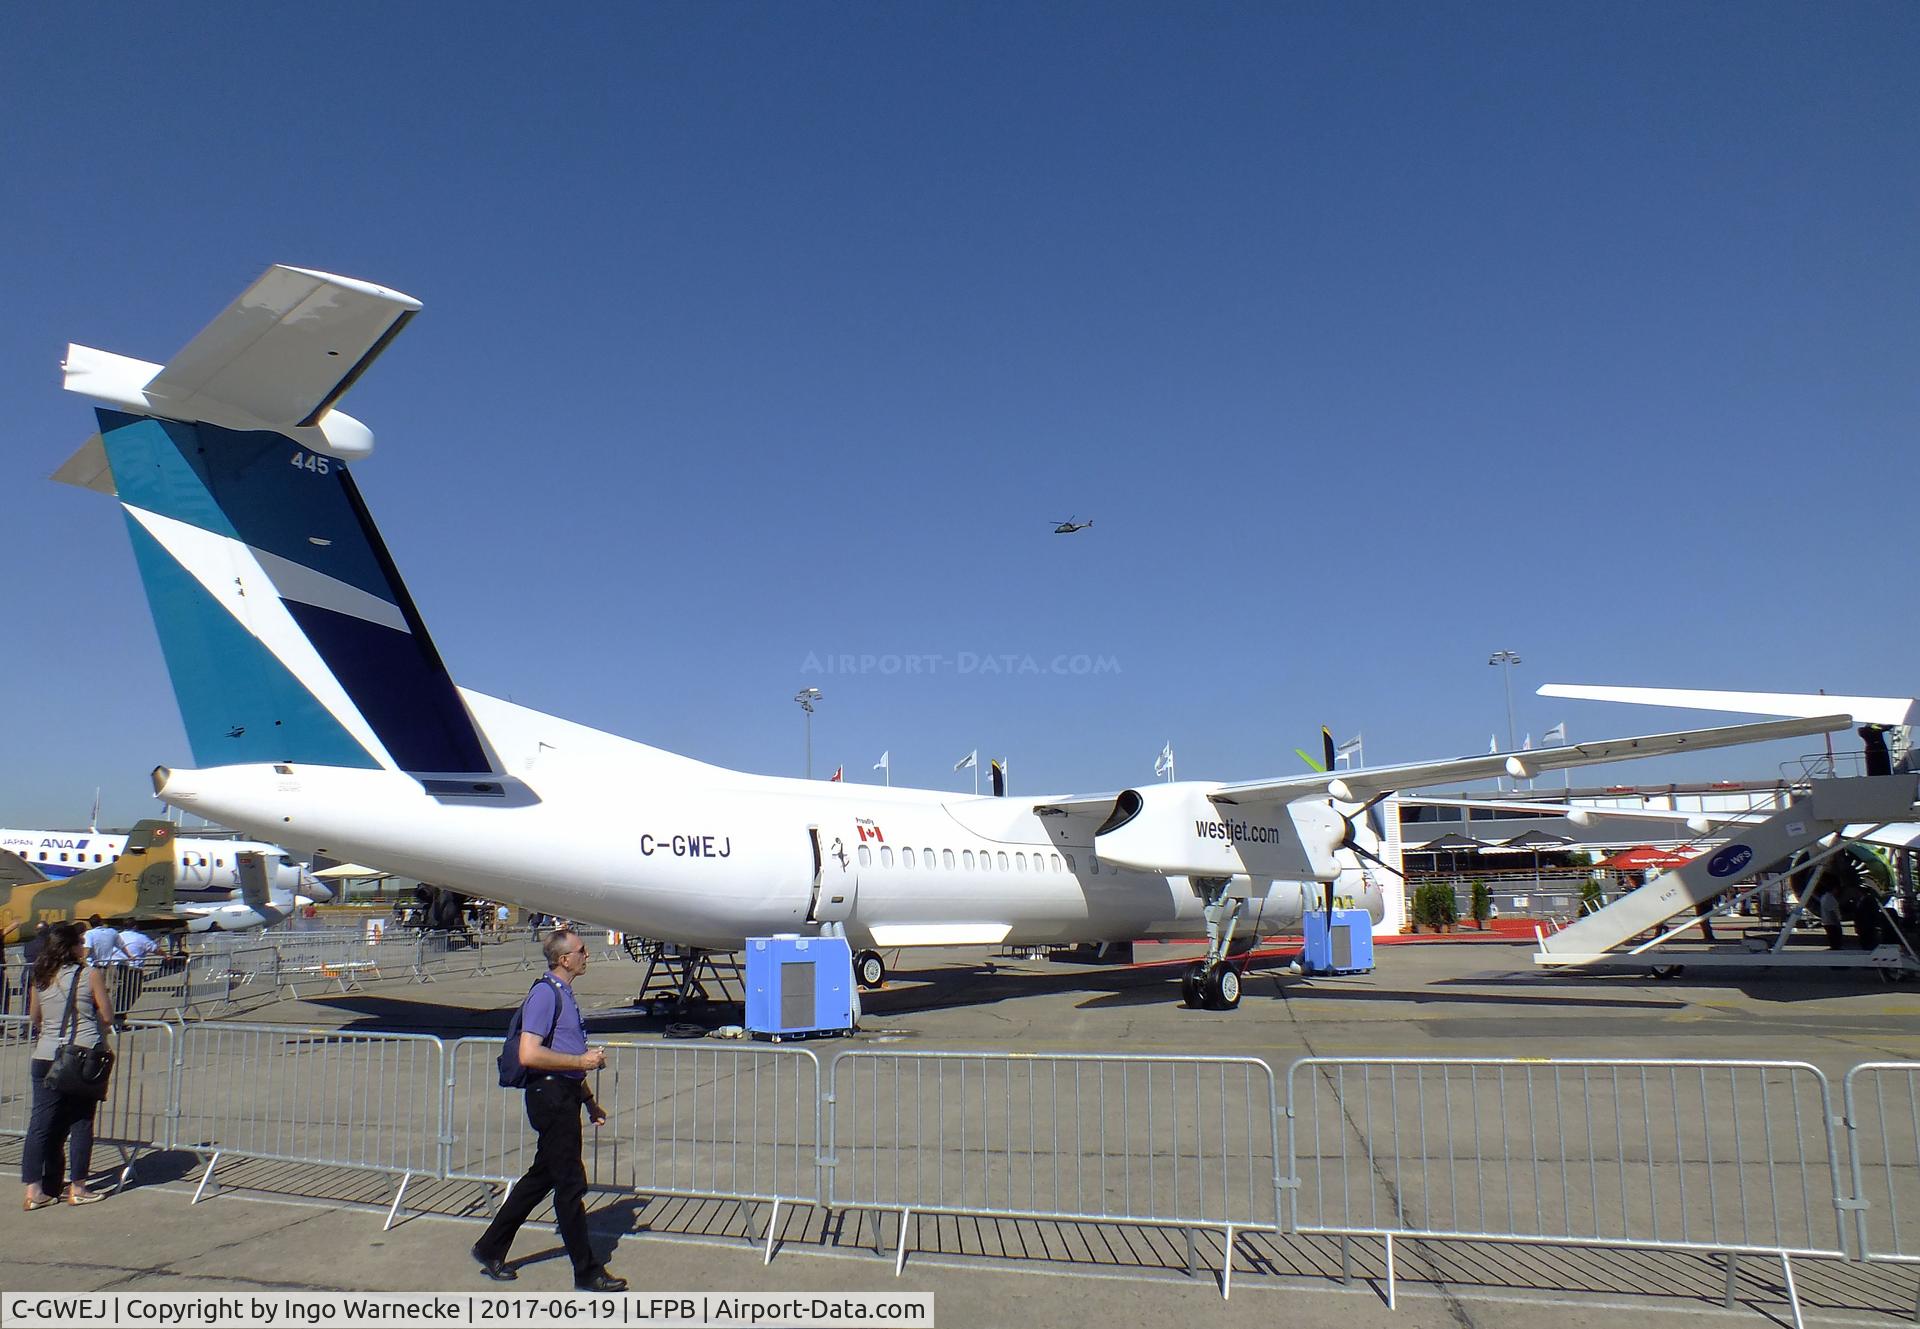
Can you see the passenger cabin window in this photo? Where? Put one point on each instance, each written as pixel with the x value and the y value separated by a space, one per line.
pixel 886 855
pixel 1071 865
pixel 1093 864
pixel 946 859
pixel 63 858
pixel 866 857
pixel 1002 856
pixel 1056 861
pixel 1020 862
pixel 926 856
pixel 906 857
pixel 966 858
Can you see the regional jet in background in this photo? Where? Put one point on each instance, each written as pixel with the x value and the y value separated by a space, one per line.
pixel 320 714
pixel 207 870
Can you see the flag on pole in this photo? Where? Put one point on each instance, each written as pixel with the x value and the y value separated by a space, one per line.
pixel 999 769
pixel 967 760
pixel 839 772
pixel 1556 736
pixel 881 765
pixel 1526 744
pixel 1163 764
pixel 1493 744
pixel 1349 752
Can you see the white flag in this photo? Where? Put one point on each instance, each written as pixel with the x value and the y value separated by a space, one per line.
pixel 967 760
pixel 1493 743
pixel 1556 736
pixel 1349 752
pixel 1164 762
pixel 1526 744
pixel 881 765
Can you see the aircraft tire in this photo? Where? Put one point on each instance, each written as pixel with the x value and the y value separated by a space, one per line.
pixel 1192 983
pixel 1223 988
pixel 870 969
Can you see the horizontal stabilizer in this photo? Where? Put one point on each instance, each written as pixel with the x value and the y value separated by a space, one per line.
pixel 88 468
pixel 1864 710
pixel 277 358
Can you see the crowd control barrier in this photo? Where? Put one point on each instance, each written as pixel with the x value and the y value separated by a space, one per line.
pixel 1180 1142
pixel 365 1101
pixel 1882 1100
pixel 732 1122
pixel 133 1119
pixel 1736 1158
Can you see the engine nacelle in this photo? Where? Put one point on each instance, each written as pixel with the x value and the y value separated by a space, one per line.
pixel 1177 829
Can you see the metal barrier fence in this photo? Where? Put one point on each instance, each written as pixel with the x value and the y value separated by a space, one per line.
pixel 135 1114
pixel 309 1096
pixel 735 1122
pixel 1736 1158
pixel 1882 1100
pixel 1188 1142
pixel 1729 1157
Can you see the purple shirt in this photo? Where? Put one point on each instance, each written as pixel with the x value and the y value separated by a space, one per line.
pixel 569 1032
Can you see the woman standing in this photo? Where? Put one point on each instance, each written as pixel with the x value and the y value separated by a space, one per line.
pixel 61 979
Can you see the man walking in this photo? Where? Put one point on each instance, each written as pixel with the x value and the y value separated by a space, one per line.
pixel 557 1063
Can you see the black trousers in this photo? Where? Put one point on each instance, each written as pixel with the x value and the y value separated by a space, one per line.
pixel 553 1110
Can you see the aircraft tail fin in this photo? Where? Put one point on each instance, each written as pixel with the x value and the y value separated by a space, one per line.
pixel 149 854
pixel 287 631
pixel 256 892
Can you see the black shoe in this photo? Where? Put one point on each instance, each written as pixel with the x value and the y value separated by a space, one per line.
pixel 600 1281
pixel 494 1267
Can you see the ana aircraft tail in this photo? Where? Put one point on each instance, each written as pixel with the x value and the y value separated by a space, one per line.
pixel 287 631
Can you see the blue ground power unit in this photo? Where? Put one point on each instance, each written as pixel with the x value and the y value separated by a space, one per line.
pixel 799 987
pixel 1344 948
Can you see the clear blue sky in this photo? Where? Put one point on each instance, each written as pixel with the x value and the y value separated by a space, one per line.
pixel 1373 337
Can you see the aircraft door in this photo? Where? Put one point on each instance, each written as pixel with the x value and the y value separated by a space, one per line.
pixel 834 880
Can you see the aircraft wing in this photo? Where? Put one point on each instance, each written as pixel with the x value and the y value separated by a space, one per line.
pixel 16 871
pixel 1361 785
pixel 1864 710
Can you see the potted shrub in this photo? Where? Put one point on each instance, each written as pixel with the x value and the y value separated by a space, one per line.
pixel 1482 904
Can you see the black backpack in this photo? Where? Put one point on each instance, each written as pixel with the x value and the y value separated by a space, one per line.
pixel 512 1074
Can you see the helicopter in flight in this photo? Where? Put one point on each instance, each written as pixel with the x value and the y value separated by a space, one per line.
pixel 1069 526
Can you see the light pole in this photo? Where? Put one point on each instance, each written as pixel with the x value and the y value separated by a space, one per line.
pixel 807 697
pixel 1509 659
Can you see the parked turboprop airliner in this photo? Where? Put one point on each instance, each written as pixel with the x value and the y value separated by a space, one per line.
pixel 321 716
pixel 205 870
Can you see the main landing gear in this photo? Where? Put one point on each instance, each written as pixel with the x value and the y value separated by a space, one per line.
pixel 1213 983
pixel 869 969
pixel 1214 987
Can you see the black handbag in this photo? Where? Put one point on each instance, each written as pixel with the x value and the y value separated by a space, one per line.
pixel 78 1072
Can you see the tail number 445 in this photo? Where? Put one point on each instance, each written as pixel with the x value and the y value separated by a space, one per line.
pixel 309 461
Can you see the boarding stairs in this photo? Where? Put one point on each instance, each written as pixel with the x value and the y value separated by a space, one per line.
pixel 1827 810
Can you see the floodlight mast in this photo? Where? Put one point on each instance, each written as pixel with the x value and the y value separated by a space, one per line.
pixel 807 697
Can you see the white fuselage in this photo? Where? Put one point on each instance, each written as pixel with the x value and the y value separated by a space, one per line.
pixel 611 832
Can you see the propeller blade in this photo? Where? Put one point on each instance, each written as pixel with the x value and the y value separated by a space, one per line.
pixel 1311 763
pixel 1326 747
